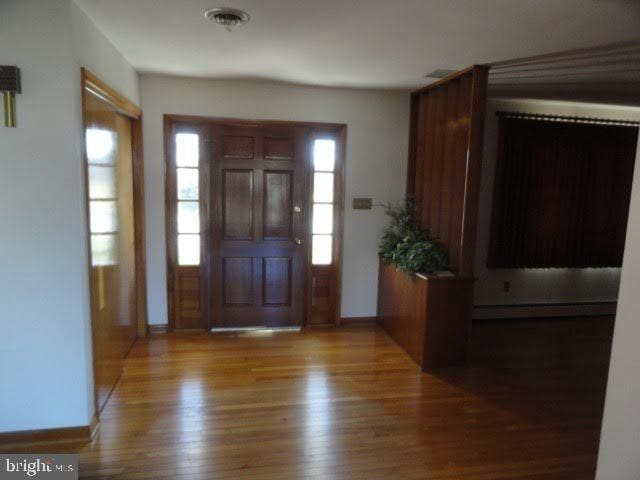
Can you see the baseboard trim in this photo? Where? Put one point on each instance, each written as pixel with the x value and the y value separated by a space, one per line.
pixel 358 321
pixel 14 441
pixel 585 309
pixel 158 328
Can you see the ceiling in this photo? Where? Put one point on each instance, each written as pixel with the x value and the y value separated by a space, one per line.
pixel 353 43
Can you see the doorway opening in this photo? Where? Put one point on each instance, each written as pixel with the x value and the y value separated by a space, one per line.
pixel 254 219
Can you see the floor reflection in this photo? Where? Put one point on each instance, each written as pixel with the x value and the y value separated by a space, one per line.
pixel 192 423
pixel 318 422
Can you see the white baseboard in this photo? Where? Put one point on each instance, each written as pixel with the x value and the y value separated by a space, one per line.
pixel 544 310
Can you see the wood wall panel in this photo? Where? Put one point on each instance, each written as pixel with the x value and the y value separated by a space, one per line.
pixel 237 208
pixel 445 160
pixel 430 317
pixel 427 316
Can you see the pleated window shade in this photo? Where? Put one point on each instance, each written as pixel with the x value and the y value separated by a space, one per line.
pixel 561 193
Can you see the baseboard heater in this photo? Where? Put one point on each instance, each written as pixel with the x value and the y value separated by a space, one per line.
pixel 538 310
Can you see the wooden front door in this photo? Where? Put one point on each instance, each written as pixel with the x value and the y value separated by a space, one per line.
pixel 258 226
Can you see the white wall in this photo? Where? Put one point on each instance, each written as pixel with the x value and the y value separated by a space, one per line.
pixel 530 286
pixel 618 457
pixel 377 138
pixel 45 359
pixel 94 51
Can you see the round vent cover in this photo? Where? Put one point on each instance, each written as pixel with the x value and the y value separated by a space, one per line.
pixel 228 17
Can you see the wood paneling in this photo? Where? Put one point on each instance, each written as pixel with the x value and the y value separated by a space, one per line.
pixel 402 309
pixel 431 317
pixel 445 160
pixel 350 404
pixel 428 317
pixel 561 194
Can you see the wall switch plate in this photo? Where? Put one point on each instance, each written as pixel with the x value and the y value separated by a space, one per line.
pixel 506 286
pixel 362 204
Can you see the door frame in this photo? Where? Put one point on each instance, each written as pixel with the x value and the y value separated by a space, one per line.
pixel 124 106
pixel 173 122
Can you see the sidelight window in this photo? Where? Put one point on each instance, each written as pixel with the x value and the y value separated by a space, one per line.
pixel 324 159
pixel 187 155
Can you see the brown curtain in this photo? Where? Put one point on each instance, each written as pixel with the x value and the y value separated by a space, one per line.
pixel 561 194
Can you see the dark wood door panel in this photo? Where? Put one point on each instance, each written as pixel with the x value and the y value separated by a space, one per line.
pixel 279 148
pixel 237 146
pixel 237 204
pixel 237 281
pixel 276 281
pixel 278 205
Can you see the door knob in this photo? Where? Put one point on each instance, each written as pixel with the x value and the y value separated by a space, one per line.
pixel 297 209
pixel 298 241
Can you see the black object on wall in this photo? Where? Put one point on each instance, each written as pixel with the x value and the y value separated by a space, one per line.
pixel 562 192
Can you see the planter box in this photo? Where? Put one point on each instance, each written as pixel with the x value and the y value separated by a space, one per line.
pixel 428 316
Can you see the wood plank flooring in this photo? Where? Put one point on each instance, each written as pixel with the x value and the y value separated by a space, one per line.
pixel 350 404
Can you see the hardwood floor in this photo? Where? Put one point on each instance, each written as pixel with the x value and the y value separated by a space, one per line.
pixel 350 404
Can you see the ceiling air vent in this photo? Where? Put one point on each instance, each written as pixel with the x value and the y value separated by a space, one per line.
pixel 227 17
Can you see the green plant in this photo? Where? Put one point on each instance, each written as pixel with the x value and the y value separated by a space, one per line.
pixel 406 245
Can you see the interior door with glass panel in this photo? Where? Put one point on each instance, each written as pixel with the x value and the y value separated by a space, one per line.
pixel 258 251
pixel 108 136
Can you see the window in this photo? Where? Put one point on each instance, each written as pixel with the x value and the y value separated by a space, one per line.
pixel 187 160
pixel 103 210
pixel 324 159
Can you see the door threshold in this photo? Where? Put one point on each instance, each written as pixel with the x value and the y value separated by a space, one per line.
pixel 295 328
